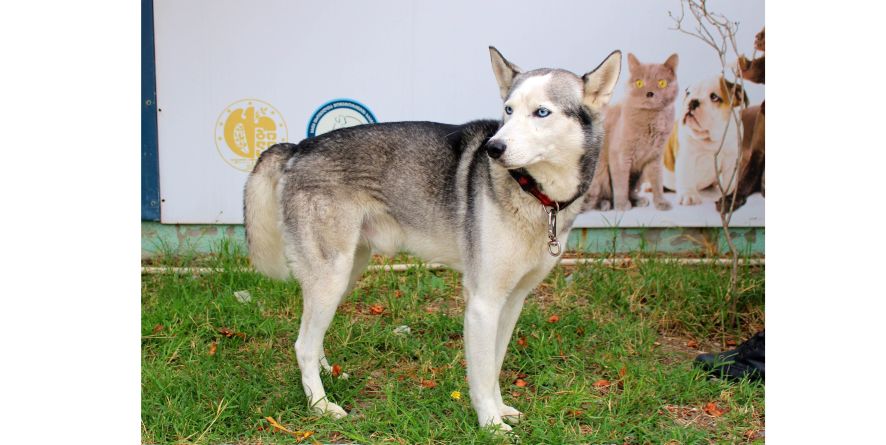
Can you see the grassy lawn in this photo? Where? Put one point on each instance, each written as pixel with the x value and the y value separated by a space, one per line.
pixel 599 355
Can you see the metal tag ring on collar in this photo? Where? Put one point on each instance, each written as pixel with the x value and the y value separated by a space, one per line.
pixel 554 247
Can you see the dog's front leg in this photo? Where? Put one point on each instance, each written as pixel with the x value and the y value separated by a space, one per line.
pixel 482 315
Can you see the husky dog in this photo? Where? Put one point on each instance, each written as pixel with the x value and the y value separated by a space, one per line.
pixel 704 127
pixel 464 195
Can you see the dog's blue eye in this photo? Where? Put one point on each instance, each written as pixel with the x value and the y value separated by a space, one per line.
pixel 508 109
pixel 542 112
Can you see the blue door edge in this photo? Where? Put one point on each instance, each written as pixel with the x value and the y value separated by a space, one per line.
pixel 150 162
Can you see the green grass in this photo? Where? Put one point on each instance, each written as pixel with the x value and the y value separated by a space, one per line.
pixel 634 320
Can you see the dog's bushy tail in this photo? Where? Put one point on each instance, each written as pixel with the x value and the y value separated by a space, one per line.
pixel 261 210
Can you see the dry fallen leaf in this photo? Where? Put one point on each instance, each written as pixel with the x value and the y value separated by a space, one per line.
pixel 336 370
pixel 228 332
pixel 299 435
pixel 692 344
pixel 621 377
pixel 276 425
pixel 554 318
pixel 522 341
pixel 157 328
pixel 713 410
pixel 602 383
pixel 376 309
pixel 429 384
pixel 520 383
pixel 731 343
pixel 212 348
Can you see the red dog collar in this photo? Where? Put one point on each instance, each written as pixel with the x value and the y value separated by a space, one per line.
pixel 551 207
pixel 528 184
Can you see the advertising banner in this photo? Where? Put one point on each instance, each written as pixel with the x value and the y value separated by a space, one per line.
pixel 235 77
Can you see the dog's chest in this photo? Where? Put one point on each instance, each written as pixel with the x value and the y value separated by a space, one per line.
pixel 522 234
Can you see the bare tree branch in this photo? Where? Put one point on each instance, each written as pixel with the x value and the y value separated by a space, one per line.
pixel 718 32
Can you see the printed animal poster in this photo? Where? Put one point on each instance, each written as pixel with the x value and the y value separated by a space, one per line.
pixel 233 82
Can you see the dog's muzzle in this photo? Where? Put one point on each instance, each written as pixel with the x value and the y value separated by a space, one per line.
pixel 495 148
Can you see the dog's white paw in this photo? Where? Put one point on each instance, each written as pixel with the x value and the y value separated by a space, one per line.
pixel 490 418
pixel 641 201
pixel 688 198
pixel 499 427
pixel 510 414
pixel 325 408
pixel 605 205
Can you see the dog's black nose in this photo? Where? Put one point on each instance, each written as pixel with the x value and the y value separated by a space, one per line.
pixel 650 94
pixel 495 148
pixel 693 104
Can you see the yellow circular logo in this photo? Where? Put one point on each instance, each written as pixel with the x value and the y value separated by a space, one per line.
pixel 245 129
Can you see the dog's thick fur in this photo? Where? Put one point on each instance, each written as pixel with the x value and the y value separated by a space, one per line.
pixel 317 210
pixel 704 145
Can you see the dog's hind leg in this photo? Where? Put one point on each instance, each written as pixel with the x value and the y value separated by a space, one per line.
pixel 361 259
pixel 323 235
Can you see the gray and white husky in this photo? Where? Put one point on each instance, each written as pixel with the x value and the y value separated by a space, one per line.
pixel 487 198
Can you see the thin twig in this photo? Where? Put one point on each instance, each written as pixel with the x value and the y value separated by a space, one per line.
pixel 718 32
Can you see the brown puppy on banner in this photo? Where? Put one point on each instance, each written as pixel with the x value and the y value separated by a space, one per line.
pixel 752 169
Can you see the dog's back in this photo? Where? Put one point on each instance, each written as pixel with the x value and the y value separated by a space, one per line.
pixel 402 175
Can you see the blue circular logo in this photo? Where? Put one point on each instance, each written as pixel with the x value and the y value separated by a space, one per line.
pixel 339 113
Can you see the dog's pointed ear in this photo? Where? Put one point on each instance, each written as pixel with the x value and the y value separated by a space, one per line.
pixel 734 92
pixel 672 62
pixel 599 83
pixel 505 71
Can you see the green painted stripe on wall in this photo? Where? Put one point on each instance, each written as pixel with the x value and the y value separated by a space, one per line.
pixel 179 239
